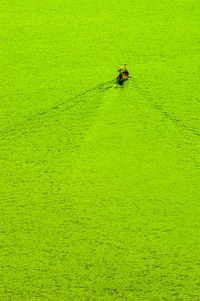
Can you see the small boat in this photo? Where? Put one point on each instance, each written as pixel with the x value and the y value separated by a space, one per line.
pixel 122 77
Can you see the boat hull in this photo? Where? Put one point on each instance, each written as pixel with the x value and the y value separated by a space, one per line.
pixel 120 81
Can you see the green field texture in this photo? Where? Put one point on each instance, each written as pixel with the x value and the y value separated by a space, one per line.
pixel 99 183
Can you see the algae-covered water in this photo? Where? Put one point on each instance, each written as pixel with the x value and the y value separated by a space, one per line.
pixel 100 184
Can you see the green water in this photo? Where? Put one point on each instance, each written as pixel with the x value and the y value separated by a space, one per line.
pixel 99 184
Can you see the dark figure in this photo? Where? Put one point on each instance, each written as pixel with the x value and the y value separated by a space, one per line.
pixel 123 72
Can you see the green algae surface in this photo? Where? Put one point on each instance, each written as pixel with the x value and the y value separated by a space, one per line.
pixel 99 183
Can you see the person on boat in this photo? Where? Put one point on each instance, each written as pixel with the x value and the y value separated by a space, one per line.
pixel 122 68
pixel 123 72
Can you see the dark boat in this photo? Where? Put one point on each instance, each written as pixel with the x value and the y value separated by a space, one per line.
pixel 121 80
pixel 122 77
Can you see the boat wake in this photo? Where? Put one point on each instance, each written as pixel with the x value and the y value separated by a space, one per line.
pixel 33 120
pixel 156 105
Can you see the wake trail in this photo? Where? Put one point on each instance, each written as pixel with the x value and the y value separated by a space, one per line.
pixel 148 97
pixel 57 108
